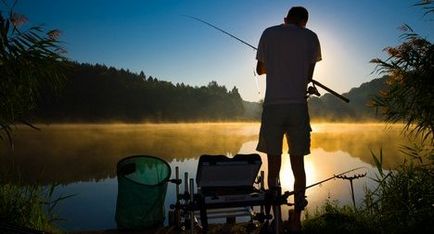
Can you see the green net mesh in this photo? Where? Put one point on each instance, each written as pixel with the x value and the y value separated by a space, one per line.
pixel 142 186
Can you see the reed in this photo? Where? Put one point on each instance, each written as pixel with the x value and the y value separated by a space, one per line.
pixel 402 201
pixel 24 207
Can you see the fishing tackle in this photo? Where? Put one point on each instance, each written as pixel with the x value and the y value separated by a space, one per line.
pixel 314 82
pixel 325 180
pixel 351 178
pixel 187 203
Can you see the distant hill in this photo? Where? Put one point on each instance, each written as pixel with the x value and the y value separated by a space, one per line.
pixel 327 107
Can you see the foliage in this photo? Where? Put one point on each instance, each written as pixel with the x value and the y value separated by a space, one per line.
pixel 408 96
pixel 332 218
pixel 403 200
pixel 100 93
pixel 29 63
pixel 28 206
pixel 427 5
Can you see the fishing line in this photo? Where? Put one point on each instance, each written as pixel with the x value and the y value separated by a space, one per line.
pixel 236 38
pixel 245 43
pixel 256 81
pixel 221 30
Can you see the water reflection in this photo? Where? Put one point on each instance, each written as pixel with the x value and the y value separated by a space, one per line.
pixel 359 139
pixel 84 157
pixel 71 153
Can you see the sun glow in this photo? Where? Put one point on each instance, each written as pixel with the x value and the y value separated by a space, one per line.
pixel 286 176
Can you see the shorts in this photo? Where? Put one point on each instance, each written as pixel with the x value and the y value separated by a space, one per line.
pixel 289 119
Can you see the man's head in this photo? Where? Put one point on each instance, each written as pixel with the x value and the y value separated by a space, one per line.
pixel 297 15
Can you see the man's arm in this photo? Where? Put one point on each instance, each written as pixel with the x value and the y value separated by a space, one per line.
pixel 260 68
pixel 310 72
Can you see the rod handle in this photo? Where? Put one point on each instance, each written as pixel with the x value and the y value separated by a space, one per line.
pixel 331 91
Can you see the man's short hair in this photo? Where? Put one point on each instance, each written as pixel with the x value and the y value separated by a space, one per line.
pixel 298 14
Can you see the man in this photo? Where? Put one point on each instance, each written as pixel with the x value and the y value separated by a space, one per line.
pixel 287 53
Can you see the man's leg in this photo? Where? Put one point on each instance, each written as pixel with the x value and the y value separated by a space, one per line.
pixel 274 162
pixel 297 165
pixel 273 177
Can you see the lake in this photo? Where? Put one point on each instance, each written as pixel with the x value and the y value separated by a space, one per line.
pixel 82 159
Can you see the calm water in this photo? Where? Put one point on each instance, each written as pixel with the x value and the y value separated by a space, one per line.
pixel 82 159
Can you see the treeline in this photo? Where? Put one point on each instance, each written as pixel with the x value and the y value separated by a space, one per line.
pixel 95 93
pixel 99 93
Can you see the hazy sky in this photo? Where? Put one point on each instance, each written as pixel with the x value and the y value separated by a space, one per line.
pixel 154 37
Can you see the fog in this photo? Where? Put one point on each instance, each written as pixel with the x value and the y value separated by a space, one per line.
pixel 69 153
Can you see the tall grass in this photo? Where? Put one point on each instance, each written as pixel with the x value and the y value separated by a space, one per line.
pixel 402 201
pixel 28 207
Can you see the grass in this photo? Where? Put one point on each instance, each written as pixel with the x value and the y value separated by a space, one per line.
pixel 28 207
pixel 402 202
pixel 333 218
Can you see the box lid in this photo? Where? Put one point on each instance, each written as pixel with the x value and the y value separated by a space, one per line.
pixel 222 171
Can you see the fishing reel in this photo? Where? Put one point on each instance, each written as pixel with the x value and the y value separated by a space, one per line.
pixel 312 90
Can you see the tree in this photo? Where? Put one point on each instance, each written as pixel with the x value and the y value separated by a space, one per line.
pixel 409 95
pixel 30 64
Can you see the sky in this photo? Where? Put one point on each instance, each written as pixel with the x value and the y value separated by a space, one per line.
pixel 155 36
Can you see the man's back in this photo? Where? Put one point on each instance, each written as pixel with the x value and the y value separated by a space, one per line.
pixel 287 51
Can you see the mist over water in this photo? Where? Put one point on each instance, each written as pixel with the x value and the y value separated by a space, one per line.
pixel 83 157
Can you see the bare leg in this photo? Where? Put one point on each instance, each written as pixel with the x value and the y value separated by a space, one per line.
pixel 274 162
pixel 273 170
pixel 297 165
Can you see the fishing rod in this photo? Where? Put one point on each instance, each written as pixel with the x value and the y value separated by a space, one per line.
pixel 289 193
pixel 314 82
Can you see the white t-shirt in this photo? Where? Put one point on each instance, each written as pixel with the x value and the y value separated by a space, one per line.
pixel 287 51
